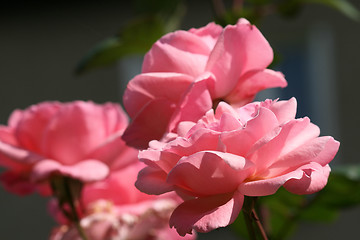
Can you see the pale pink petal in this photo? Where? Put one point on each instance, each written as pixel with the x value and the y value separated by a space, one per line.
pixel 229 122
pixel 118 187
pixel 209 173
pixel 85 171
pixel 264 187
pixel 149 124
pixel 201 139
pixel 164 160
pixel 224 107
pixel 184 127
pixel 15 118
pixel 194 104
pixel 146 87
pixel 7 136
pixel 253 82
pixel 206 213
pixel 292 135
pixel 180 51
pixel 239 49
pixel 306 179
pixel 209 34
pixel 15 155
pixel 314 179
pixel 171 234
pixel 321 150
pixel 153 181
pixel 115 119
pixel 114 152
pixel 253 130
pixel 77 128
pixel 284 110
pixel 30 128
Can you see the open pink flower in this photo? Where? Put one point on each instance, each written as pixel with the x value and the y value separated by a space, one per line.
pixel 79 139
pixel 115 209
pixel 186 71
pixel 252 150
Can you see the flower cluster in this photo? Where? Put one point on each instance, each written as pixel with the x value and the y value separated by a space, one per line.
pixel 186 72
pixel 204 145
pixel 232 153
pixel 114 209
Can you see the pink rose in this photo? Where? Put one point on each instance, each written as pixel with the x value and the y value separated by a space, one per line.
pixel 115 209
pixel 185 72
pixel 80 139
pixel 252 150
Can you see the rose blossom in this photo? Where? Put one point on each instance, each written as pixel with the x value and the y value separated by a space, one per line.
pixel 252 150
pixel 186 71
pixel 116 210
pixel 79 139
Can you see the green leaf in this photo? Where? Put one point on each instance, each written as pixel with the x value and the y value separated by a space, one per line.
pixel 280 211
pixel 318 213
pixel 136 38
pixel 343 6
pixel 239 226
pixel 146 7
pixel 289 8
pixel 350 171
pixel 342 190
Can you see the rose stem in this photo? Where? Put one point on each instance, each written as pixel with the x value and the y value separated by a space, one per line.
pixel 252 220
pixel 70 199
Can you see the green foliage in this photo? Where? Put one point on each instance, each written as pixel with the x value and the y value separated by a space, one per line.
pixel 136 38
pixel 342 6
pixel 289 8
pixel 280 213
pixel 256 10
pixel 155 18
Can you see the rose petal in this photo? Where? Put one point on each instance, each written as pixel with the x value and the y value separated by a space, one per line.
pixel 207 213
pixel 284 110
pixel 209 34
pixel 153 181
pixel 195 103
pixel 291 136
pixel 30 128
pixel 180 51
pixel 114 153
pixel 13 156
pixel 209 172
pixel 321 150
pixel 314 179
pixel 149 124
pixel 17 183
pixel 306 179
pixel 77 128
pixel 239 49
pixel 85 171
pixel 253 82
pixel 147 87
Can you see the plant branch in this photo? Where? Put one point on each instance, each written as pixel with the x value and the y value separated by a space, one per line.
pixel 253 223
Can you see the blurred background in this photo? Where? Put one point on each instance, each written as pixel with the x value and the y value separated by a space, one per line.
pixel 42 43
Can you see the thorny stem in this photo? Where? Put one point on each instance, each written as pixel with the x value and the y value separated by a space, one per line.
pixel 253 223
